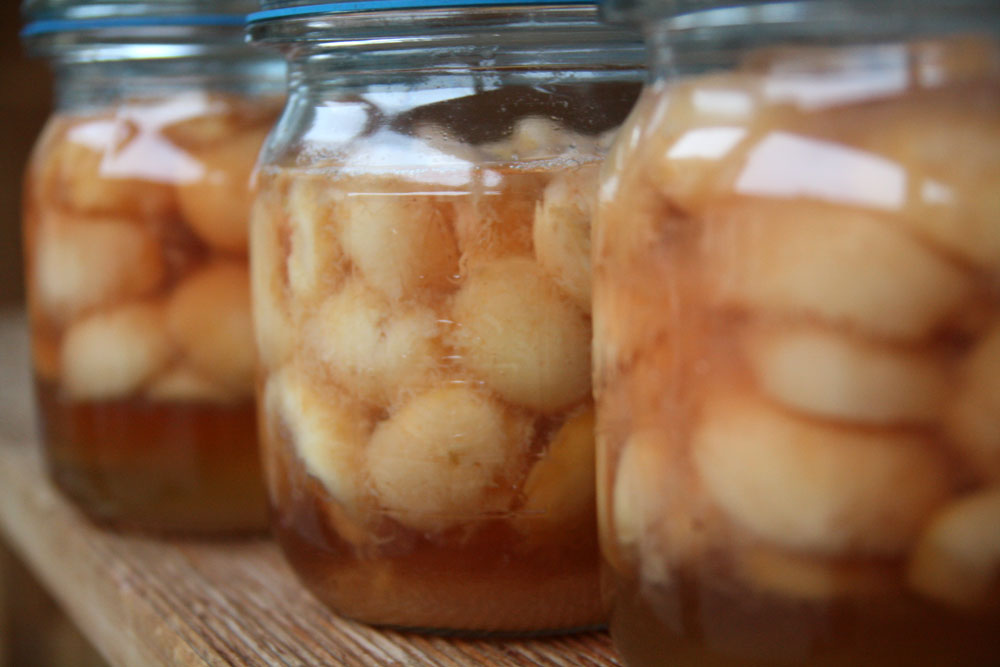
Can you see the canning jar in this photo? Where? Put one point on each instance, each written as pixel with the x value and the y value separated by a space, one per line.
pixel 797 336
pixel 135 230
pixel 421 289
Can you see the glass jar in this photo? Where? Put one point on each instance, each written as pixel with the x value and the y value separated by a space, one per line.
pixel 135 230
pixel 797 337
pixel 421 288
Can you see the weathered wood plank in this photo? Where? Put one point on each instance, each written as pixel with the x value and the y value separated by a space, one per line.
pixel 148 601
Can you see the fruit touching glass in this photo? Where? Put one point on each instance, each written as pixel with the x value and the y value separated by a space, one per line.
pixel 797 337
pixel 135 227
pixel 421 283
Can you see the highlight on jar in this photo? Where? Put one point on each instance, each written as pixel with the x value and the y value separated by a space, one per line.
pixel 797 361
pixel 425 335
pixel 136 250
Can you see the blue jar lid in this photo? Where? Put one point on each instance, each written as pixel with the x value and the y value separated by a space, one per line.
pixel 279 9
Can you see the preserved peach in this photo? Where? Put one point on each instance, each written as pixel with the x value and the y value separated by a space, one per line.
pixel 82 264
pixel 218 293
pixel 560 487
pixel 112 354
pixel 441 453
pixel 329 437
pixel 489 222
pixel 203 131
pixel 274 335
pixel 956 203
pixel 526 342
pixel 216 204
pixel 88 171
pixel 534 137
pixel 368 345
pixel 796 357
pixel 815 487
pixel 562 233
pixel 972 417
pixel 957 559
pixel 221 118
pixel 135 235
pixel 661 513
pixel 842 266
pixel 621 343
pixel 315 257
pixel 400 243
pixel 641 468
pixel 833 376
pixel 700 132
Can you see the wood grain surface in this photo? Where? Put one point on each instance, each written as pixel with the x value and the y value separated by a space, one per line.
pixel 148 601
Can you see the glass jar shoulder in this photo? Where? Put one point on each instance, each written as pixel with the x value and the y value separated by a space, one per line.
pixel 867 127
pixel 448 120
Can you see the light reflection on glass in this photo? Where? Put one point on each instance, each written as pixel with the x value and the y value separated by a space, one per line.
pixel 337 124
pixel 152 158
pixel 144 153
pixel 707 143
pixel 870 74
pixel 393 102
pixel 170 111
pixel 728 103
pixel 787 165
pixel 387 150
pixel 97 134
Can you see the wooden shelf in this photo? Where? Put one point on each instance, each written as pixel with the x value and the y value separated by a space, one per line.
pixel 146 601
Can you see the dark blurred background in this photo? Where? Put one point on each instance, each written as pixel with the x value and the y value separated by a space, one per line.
pixel 33 630
pixel 25 101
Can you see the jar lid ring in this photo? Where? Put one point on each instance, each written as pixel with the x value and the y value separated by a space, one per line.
pixel 350 6
pixel 48 26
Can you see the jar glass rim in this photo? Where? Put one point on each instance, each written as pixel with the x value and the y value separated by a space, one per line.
pixel 698 20
pixel 125 10
pixel 489 24
pixel 142 17
pixel 111 30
